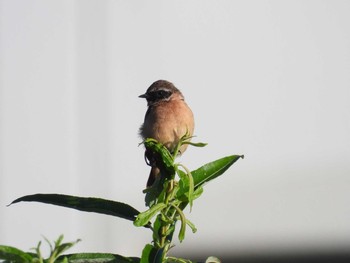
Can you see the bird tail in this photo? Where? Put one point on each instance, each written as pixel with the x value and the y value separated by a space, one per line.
pixel 153 176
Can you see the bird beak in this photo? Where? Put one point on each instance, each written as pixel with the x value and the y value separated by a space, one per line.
pixel 144 96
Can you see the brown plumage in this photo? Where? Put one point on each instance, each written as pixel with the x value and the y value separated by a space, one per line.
pixel 167 119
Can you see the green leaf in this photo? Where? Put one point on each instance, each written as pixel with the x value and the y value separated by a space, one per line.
pixel 87 204
pixel 204 174
pixel 144 217
pixel 157 225
pixel 58 242
pixel 96 257
pixel 151 255
pixel 38 252
pixel 183 177
pixel 196 144
pixel 213 169
pixel 157 192
pixel 189 183
pixel 61 248
pixel 183 223
pixel 163 152
pixel 13 254
pixel 182 193
pixel 198 192
pixel 191 225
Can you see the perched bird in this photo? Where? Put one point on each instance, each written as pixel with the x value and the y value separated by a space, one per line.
pixel 168 118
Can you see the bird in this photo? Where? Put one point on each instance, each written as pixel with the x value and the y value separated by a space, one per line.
pixel 168 118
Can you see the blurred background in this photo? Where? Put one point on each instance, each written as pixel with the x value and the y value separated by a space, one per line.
pixel 267 79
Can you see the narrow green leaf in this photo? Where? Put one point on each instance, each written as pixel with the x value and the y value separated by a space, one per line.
pixel 204 174
pixel 65 246
pixel 157 225
pixel 86 204
pixel 157 192
pixel 144 217
pixel 163 152
pixel 183 223
pixel 58 241
pixel 97 257
pixel 198 192
pixel 213 169
pixel 190 184
pixel 182 194
pixel 150 254
pixel 183 139
pixel 196 144
pixel 13 254
pixel 191 225
pixel 37 249
pixel 182 175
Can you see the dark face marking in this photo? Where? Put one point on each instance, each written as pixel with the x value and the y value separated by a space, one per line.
pixel 158 95
pixel 160 90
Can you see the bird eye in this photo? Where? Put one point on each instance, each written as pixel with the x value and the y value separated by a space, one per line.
pixel 163 94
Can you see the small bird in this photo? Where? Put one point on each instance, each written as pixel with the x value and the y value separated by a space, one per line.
pixel 168 118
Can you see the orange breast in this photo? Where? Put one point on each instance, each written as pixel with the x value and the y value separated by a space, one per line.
pixel 167 122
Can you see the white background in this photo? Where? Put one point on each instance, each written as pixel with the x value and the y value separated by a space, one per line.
pixel 268 79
